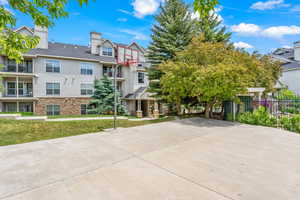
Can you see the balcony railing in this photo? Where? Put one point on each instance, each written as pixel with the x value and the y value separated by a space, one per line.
pixel 13 93
pixel 24 67
pixel 111 74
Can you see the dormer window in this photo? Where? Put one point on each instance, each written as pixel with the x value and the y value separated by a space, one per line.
pixel 107 51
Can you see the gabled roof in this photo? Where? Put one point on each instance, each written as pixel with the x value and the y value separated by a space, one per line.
pixel 71 51
pixel 141 94
pixel 25 27
pixel 291 66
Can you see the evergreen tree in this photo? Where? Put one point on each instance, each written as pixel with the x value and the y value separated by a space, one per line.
pixel 212 29
pixel 103 98
pixel 208 22
pixel 172 33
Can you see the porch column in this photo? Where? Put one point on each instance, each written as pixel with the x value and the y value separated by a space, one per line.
pixel 139 112
pixel 18 105
pixel 156 110
pixel 17 86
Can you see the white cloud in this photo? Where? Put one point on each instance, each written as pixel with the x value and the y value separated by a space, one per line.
pixel 276 32
pixel 287 47
pixel 143 8
pixel 269 5
pixel 122 19
pixel 243 45
pixel 3 2
pixel 246 29
pixel 125 11
pixel 195 15
pixel 280 31
pixel 296 8
pixel 136 35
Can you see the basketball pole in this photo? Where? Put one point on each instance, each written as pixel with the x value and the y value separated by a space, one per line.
pixel 115 97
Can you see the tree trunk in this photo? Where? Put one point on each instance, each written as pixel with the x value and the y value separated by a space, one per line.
pixel 207 110
pixel 178 107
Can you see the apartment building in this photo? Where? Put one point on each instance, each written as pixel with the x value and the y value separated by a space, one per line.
pixel 290 59
pixel 57 78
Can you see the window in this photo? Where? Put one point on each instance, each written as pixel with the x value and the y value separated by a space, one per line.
pixel 52 88
pixel 107 71
pixel 53 109
pixel 86 68
pixel 85 109
pixel 52 66
pixel 87 89
pixel 25 66
pixel 107 51
pixel 11 89
pixel 11 66
pixel 141 77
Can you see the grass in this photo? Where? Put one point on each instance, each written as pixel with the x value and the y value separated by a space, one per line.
pixel 16 132
pixel 77 116
pixel 24 114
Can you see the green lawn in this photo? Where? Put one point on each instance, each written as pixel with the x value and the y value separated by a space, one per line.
pixel 15 132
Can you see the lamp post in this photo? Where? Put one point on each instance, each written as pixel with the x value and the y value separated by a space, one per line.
pixel 115 96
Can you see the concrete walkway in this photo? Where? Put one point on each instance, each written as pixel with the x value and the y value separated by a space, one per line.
pixel 192 159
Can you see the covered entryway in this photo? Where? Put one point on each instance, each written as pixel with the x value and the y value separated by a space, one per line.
pixel 142 104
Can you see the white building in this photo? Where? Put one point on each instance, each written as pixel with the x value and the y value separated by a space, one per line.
pixel 57 78
pixel 290 59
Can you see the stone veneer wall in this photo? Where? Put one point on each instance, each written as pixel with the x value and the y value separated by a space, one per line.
pixel 68 106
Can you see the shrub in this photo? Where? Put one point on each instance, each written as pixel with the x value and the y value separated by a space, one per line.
pixel 258 117
pixel 291 123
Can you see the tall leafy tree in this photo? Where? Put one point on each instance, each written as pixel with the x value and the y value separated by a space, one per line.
pixel 42 12
pixel 103 98
pixel 172 33
pixel 208 22
pixel 214 72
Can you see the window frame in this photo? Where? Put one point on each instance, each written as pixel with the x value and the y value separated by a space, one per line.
pixel 53 68
pixel 86 66
pixel 138 77
pixel 53 89
pixel 86 93
pixel 107 53
pixel 53 111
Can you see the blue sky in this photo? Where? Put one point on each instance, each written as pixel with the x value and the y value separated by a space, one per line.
pixel 256 25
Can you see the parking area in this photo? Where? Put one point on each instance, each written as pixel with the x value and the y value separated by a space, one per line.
pixel 186 159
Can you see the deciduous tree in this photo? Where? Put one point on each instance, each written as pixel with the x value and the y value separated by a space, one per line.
pixel 214 72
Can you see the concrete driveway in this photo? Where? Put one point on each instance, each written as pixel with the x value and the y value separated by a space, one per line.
pixel 192 159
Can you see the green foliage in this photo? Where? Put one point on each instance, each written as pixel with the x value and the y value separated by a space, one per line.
pixel 103 98
pixel 172 33
pixel 258 117
pixel 204 7
pixel 286 94
pixel 291 123
pixel 212 73
pixel 209 23
pixel 42 12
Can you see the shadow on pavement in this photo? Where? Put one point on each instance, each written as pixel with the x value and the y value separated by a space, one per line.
pixel 202 122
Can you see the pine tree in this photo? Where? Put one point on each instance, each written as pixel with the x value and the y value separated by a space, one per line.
pixel 103 98
pixel 172 33
pixel 209 23
pixel 212 29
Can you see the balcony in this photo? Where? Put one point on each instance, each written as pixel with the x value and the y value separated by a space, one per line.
pixel 11 66
pixel 111 74
pixel 18 87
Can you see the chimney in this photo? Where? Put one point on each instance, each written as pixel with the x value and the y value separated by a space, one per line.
pixel 95 42
pixel 42 33
pixel 297 51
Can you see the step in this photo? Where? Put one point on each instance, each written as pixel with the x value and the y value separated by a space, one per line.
pixel 35 118
pixel 9 116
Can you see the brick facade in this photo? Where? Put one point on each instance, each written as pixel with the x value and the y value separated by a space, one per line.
pixel 68 106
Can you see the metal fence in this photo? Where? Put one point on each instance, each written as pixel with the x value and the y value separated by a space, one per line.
pixel 281 110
